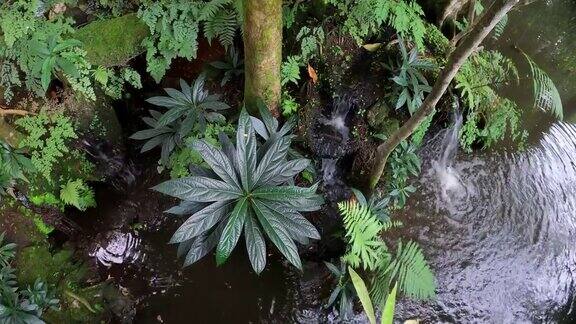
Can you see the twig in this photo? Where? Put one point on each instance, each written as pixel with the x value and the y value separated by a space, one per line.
pixel 14 112
pixel 7 111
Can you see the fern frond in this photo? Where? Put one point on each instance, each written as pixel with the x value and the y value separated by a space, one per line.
pixel 363 233
pixel 546 96
pixel 390 224
pixel 223 26
pixel 76 193
pixel 500 27
pixel 411 271
pixel 211 8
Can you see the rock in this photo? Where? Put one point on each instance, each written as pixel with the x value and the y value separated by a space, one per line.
pixel 377 114
pixel 113 42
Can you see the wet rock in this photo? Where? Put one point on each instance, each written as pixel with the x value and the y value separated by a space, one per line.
pixel 378 114
pixel 19 228
pixel 113 42
pixel 120 303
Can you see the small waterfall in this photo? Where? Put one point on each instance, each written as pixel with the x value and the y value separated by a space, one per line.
pixel 338 118
pixel 451 184
pixel 332 136
pixel 112 163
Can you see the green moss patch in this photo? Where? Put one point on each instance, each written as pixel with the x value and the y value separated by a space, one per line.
pixel 113 42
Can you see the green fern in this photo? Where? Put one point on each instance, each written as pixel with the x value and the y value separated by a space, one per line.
pixel 222 25
pixel 47 140
pixel 411 271
pixel 489 117
pixel 175 29
pixel 364 18
pixel 290 70
pixel 500 27
pixel 362 232
pixel 76 193
pixel 546 95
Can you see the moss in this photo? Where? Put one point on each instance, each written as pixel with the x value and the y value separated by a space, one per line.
pixel 437 43
pixel 113 41
pixel 18 225
pixel 59 270
pixel 263 48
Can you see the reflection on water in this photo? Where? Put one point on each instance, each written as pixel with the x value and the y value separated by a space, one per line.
pixel 118 248
pixel 511 255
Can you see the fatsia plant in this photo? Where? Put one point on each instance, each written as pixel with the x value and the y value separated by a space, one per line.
pixel 246 191
pixel 188 110
pixel 232 67
pixel 167 137
pixel 193 104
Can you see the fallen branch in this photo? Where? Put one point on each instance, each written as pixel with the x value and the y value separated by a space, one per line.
pixel 4 112
pixel 466 47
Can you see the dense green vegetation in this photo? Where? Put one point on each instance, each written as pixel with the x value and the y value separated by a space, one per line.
pixel 59 60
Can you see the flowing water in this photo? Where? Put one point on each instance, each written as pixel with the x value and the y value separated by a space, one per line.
pixel 503 252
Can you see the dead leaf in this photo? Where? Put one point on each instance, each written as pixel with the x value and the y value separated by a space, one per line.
pixel 372 47
pixel 412 321
pixel 312 74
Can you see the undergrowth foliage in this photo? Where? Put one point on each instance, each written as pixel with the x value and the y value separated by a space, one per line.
pixel 366 18
pixel 21 305
pixel 368 251
pixel 176 26
pixel 47 139
pixel 246 190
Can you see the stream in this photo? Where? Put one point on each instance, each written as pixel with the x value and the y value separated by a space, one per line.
pixel 498 228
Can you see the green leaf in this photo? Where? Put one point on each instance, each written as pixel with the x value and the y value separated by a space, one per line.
pixel 203 244
pixel 232 231
pixel 218 161
pixel 47 68
pixel 149 133
pixel 283 193
pixel 271 163
pixel 363 294
pixel 186 208
pixel 276 232
pixel 255 244
pixel 246 150
pixel 201 221
pixel 388 312
pixel 170 116
pixel 180 97
pixel 293 221
pixel 162 101
pixel 200 189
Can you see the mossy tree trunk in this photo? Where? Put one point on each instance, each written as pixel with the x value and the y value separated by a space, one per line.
pixel 262 52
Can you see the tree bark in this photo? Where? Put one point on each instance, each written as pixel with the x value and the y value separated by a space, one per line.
pixel 262 52
pixel 465 48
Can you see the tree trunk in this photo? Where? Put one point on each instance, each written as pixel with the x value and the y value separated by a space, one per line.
pixel 465 48
pixel 262 52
